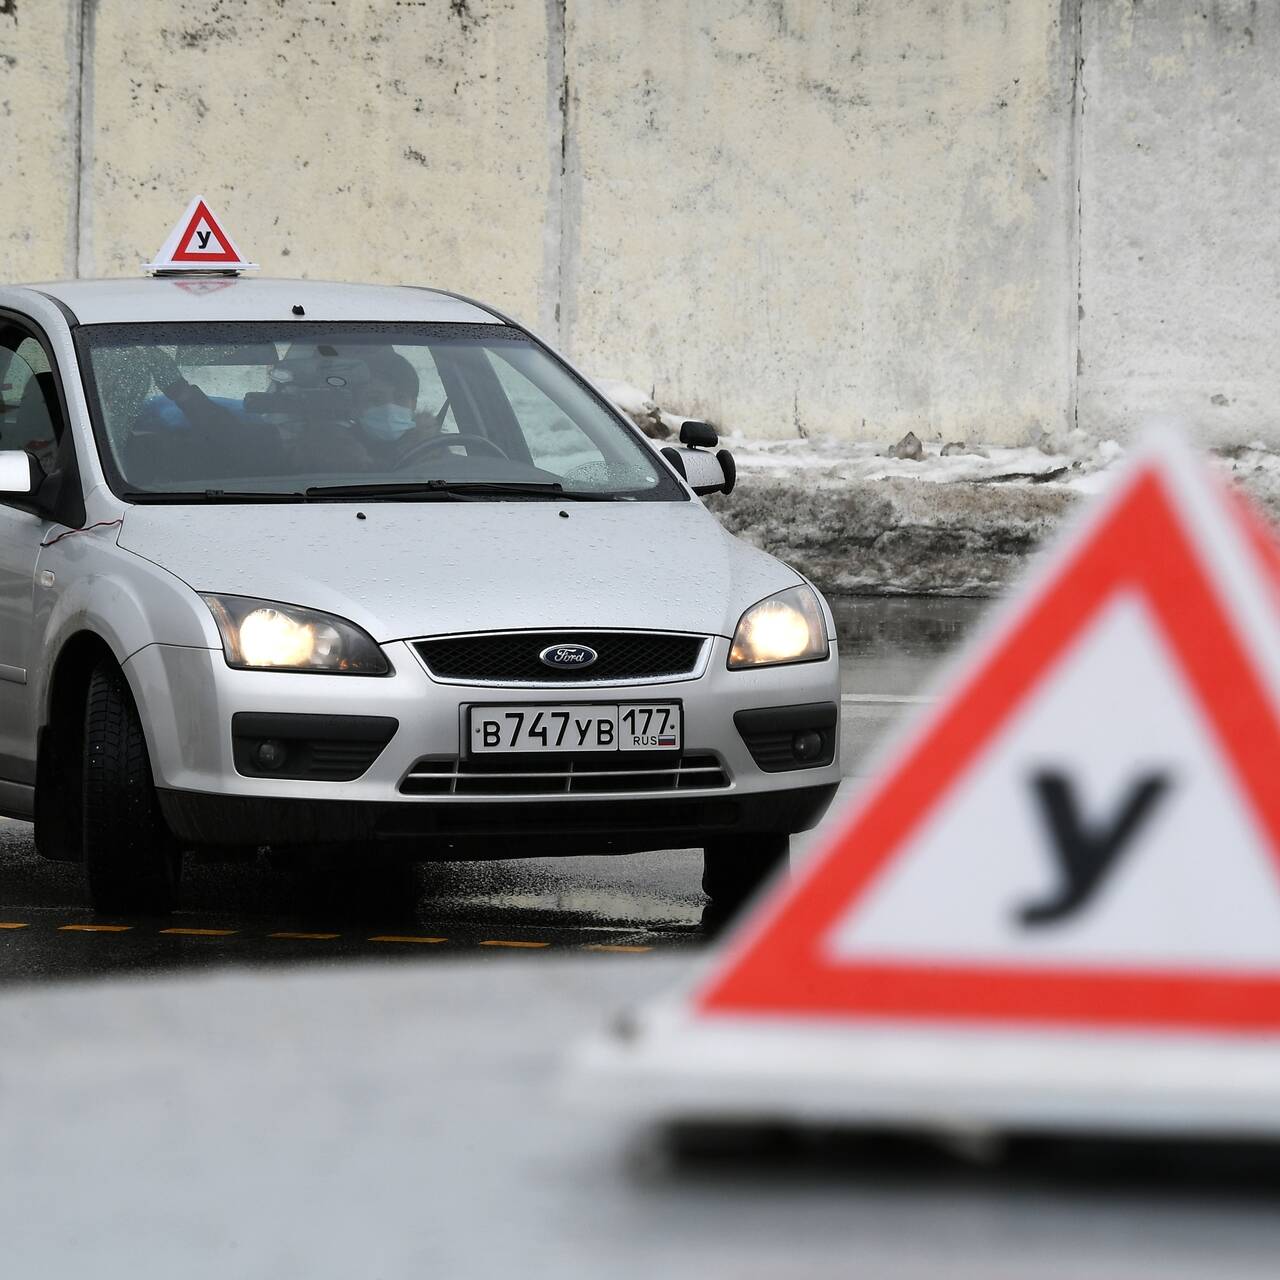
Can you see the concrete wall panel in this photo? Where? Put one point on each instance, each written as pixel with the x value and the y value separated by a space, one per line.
pixel 800 216
pixel 39 87
pixel 1180 236
pixel 399 142
pixel 852 217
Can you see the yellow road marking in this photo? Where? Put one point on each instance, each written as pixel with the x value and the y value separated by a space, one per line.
pixel 201 933
pixel 13 925
pixel 613 946
pixel 318 936
pixel 397 937
pixel 496 942
pixel 94 928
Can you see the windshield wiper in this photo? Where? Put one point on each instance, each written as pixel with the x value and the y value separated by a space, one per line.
pixel 210 495
pixel 457 489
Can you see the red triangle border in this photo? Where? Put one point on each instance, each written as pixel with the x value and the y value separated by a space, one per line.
pixel 228 254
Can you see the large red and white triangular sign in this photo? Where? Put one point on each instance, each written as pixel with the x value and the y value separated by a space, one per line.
pixel 197 242
pixel 1066 882
pixel 1088 832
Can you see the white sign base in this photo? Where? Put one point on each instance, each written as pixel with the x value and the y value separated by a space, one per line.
pixel 665 1065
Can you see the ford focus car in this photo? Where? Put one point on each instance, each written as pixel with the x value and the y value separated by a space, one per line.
pixel 295 564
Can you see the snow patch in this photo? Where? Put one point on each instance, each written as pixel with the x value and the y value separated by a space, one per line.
pixel 960 519
pixel 642 409
pixel 631 400
pixel 836 462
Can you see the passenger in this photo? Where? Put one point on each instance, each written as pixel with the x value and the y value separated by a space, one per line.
pixel 217 435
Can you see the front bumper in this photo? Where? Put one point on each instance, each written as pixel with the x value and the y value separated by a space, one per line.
pixel 482 829
pixel 188 697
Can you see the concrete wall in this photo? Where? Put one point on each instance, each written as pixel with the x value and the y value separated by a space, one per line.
pixel 399 142
pixel 1180 216
pixel 974 218
pixel 826 217
pixel 39 154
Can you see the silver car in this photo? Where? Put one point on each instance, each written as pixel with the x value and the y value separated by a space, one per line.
pixel 294 564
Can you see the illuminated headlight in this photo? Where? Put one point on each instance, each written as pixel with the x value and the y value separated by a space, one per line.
pixel 788 627
pixel 265 636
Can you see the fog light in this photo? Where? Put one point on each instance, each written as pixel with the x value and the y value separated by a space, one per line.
pixel 807 745
pixel 270 754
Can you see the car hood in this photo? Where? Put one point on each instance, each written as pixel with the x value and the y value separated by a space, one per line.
pixel 413 569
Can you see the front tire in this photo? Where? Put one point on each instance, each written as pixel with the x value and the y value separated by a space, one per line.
pixel 734 867
pixel 132 860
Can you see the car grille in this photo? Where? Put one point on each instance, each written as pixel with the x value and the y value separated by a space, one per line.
pixel 544 776
pixel 511 657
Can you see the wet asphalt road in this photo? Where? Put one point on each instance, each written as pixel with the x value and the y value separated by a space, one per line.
pixel 261 914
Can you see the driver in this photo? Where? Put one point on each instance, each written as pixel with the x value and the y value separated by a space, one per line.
pixel 385 405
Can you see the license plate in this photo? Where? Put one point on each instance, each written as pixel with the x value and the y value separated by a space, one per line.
pixel 575 727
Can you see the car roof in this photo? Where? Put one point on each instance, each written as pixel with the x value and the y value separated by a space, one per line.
pixel 214 298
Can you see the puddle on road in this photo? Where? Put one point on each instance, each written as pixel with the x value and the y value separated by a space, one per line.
pixel 654 890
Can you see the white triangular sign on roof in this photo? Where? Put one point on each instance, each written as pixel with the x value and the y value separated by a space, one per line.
pixel 1059 903
pixel 198 242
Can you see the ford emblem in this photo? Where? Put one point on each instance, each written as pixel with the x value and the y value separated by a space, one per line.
pixel 568 655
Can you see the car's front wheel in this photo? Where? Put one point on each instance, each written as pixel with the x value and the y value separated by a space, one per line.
pixel 132 860
pixel 734 867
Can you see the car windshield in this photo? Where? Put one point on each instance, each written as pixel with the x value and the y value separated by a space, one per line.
pixel 259 410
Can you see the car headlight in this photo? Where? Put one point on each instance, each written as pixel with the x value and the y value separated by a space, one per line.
pixel 788 627
pixel 261 635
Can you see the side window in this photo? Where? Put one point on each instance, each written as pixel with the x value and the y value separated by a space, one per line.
pixel 29 415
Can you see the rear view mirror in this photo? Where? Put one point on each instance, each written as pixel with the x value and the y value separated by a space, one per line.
pixel 208 355
pixel 312 404
pixel 20 474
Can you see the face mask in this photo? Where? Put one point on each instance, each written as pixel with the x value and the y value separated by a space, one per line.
pixel 387 422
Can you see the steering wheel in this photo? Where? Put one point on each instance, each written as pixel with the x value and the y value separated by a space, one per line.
pixel 463 438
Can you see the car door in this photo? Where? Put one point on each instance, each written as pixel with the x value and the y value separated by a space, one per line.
pixel 30 421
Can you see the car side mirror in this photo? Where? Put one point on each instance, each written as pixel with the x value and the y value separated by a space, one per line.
pixel 21 478
pixel 703 472
pixel 20 474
